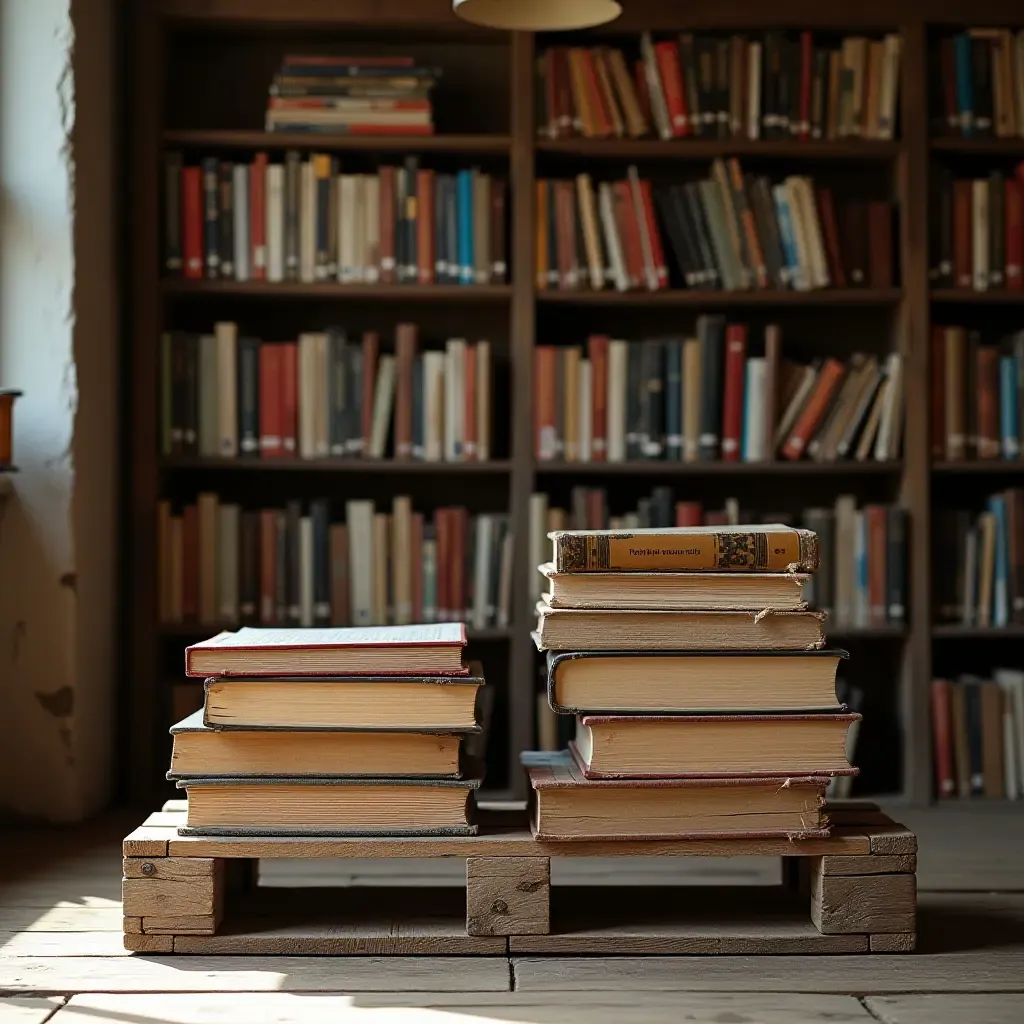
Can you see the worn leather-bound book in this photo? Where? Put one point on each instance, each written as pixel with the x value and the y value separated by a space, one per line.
pixel 569 806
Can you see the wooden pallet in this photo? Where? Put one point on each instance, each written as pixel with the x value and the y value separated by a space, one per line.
pixel 200 895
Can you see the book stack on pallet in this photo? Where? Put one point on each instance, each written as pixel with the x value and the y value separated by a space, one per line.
pixel 773 86
pixel 705 703
pixel 332 95
pixel 332 731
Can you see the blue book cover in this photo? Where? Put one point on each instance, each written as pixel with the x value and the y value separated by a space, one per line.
pixel 964 91
pixel 786 233
pixel 748 388
pixel 465 222
pixel 1009 413
pixel 674 400
pixel 1001 576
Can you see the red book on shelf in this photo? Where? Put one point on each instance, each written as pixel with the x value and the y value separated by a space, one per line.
pixel 667 54
pixel 963 264
pixel 875 517
pixel 268 567
pixel 689 513
pixel 629 232
pixel 545 416
pixel 806 60
pixel 258 217
pixel 732 404
pixel 192 220
pixel 987 384
pixel 602 119
pixel 386 173
pixel 370 345
pixel 289 397
pixel 938 396
pixel 660 266
pixel 821 397
pixel 1014 206
pixel 565 237
pixel 597 352
pixel 942 738
pixel 830 229
pixel 406 342
pixel 469 420
pixel 425 225
pixel 563 92
pixel 271 411
pixel 190 562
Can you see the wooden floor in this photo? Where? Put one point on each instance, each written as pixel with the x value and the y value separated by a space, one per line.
pixel 61 958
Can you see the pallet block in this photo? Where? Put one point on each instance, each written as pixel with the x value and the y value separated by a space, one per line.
pixel 854 892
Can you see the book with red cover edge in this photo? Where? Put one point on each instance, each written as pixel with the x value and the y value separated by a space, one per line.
pixel 732 403
pixel 629 230
pixel 824 390
pixel 660 266
pixel 563 92
pixel 830 229
pixel 938 395
pixel 603 120
pixel 597 352
pixel 406 344
pixel 257 217
pixel 687 720
pixel 386 174
pixel 565 237
pixel 425 225
pixel 289 397
pixel 962 234
pixel 806 63
pixel 335 638
pixel 667 55
pixel 942 738
pixel 271 410
pixel 689 513
pixel 1014 207
pixel 192 220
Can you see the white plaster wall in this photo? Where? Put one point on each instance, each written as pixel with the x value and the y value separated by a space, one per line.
pixel 56 531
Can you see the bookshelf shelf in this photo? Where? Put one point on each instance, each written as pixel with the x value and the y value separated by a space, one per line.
pixel 681 298
pixel 708 149
pixel 441 293
pixel 357 466
pixel 196 630
pixel 979 146
pixel 990 466
pixel 954 631
pixel 224 139
pixel 656 467
pixel 865 633
pixel 967 296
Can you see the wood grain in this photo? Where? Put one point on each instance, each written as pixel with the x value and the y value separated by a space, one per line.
pixel 508 895
pixel 880 864
pixel 895 942
pixel 946 1009
pixel 148 841
pixel 149 943
pixel 146 897
pixel 892 839
pixel 844 904
pixel 177 869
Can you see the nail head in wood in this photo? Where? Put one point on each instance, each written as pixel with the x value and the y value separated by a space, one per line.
pixel 508 895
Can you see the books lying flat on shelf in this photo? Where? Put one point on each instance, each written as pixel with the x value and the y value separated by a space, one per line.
pixel 570 806
pixel 684 682
pixel 573 629
pixel 771 547
pixel 427 703
pixel 674 590
pixel 615 746
pixel 773 85
pixel 349 806
pixel 201 751
pixel 434 649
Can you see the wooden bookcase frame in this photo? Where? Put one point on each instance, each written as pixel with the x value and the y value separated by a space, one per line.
pixel 909 156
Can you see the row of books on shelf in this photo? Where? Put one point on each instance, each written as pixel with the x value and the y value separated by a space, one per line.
pixel 978 735
pixel 302 566
pixel 862 579
pixel 305 220
pixel 338 95
pixel 324 396
pixel 981 81
pixel 977 395
pixel 979 241
pixel 979 562
pixel 705 398
pixel 731 231
pixel 777 85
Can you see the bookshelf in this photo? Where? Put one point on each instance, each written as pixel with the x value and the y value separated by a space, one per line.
pixel 199 70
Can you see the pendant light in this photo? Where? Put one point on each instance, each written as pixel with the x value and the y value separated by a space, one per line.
pixel 538 15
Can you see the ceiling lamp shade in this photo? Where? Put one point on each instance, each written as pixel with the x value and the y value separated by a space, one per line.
pixel 538 15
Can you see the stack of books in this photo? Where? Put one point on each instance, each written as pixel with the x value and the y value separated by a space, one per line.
pixel 333 732
pixel 352 96
pixel 705 703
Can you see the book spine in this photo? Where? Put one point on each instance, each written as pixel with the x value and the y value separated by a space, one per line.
pixel 942 738
pixel 249 397
pixel 733 402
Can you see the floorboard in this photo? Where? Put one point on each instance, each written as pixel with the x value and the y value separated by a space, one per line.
pixel 20 1010
pixel 999 1008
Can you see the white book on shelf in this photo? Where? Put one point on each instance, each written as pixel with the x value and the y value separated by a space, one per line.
pixel 1011 681
pixel 226 334
pixel 433 406
pixel 659 105
pixel 455 400
pixel 240 184
pixel 612 241
pixel 585 429
pixel 615 402
pixel 816 240
pixel 888 437
pixel 371 229
pixel 893 44
pixel 755 443
pixel 275 222
pixel 506 562
pixel 306 571
pixel 308 387
pixel 484 540
pixel 483 400
pixel 306 216
pixel 359 520
pixel 429 579
pixel 383 403
pixel 321 402
pixel 346 229
pixel 979 235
